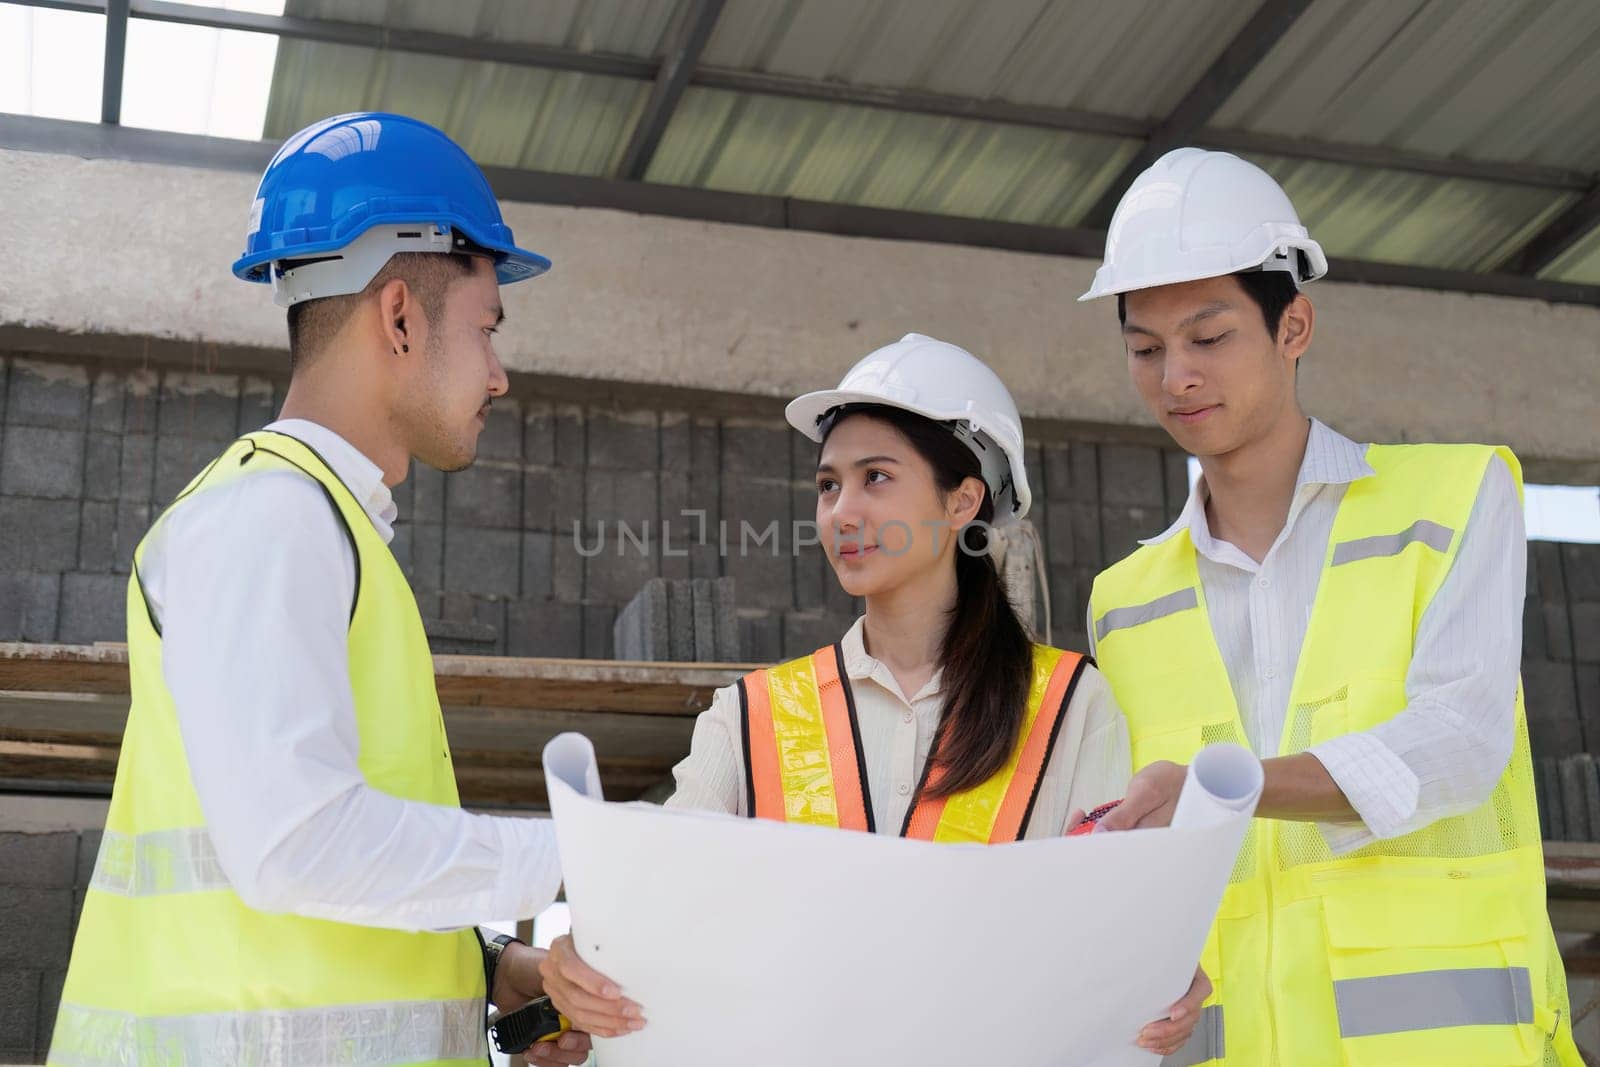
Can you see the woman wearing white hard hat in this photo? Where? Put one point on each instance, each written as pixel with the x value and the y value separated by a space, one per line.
pixel 935 716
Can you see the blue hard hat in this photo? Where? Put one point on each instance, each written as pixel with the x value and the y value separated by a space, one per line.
pixel 338 178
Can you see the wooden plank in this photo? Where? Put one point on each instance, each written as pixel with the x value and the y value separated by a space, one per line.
pixel 483 777
pixel 489 681
pixel 1572 869
pixel 72 741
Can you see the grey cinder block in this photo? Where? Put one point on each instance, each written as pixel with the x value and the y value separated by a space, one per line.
pixel 93 608
pixel 44 861
pixel 680 620
pixel 1574 798
pixel 1552 822
pixel 705 619
pixel 29 606
pixel 42 461
pixel 727 622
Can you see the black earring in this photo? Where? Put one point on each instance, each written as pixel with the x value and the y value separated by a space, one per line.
pixel 405 348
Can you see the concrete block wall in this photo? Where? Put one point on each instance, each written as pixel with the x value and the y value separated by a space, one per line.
pixel 42 881
pixel 525 553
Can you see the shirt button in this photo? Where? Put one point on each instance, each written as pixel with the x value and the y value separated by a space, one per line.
pixel 904 789
pixel 1270 673
pixel 1265 583
pixel 907 719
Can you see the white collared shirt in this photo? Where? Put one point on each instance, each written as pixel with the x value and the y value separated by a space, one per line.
pixel 252 583
pixel 1443 754
pixel 1089 765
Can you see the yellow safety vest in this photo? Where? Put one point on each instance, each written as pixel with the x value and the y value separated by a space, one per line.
pixel 169 966
pixel 803 759
pixel 1430 948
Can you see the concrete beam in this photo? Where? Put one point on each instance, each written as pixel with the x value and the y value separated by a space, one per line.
pixel 111 255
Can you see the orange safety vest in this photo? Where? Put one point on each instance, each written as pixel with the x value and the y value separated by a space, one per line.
pixel 803 759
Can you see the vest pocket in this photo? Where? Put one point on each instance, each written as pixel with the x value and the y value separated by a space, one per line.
pixel 1432 971
pixel 1177 745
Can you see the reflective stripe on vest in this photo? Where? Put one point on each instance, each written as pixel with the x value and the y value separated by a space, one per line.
pixel 1139 614
pixel 1432 1000
pixel 162 861
pixel 804 763
pixel 1206 1043
pixel 1422 531
pixel 1430 948
pixel 352 1035
pixel 802 744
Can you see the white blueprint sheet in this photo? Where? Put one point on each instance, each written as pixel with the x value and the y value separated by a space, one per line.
pixel 750 942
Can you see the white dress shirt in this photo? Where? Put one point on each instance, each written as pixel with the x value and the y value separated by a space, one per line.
pixel 1089 765
pixel 252 583
pixel 1443 754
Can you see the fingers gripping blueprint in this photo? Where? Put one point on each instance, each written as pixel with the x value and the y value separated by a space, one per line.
pixel 756 942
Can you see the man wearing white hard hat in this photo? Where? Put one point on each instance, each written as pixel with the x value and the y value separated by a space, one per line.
pixel 1352 612
pixel 936 703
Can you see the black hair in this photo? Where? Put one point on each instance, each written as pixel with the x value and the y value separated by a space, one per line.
pixel 313 323
pixel 987 655
pixel 1271 290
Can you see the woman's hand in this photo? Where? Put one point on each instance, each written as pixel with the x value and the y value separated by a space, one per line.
pixel 590 1000
pixel 1166 1036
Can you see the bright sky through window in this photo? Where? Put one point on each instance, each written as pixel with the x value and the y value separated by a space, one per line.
pixel 186 79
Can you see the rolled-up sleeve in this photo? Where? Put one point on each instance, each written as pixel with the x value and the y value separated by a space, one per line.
pixel 1443 754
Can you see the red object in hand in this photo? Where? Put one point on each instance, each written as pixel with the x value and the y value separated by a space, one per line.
pixel 1092 819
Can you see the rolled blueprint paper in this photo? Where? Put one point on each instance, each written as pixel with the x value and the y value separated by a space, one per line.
pixel 738 935
pixel 569 757
pixel 1224 782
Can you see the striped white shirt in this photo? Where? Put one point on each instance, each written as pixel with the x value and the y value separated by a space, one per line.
pixel 1443 753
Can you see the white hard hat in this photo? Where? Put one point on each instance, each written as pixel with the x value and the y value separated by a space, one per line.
pixel 944 383
pixel 1196 214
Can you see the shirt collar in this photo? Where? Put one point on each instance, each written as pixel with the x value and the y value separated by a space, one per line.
pixel 860 666
pixel 360 475
pixel 1331 459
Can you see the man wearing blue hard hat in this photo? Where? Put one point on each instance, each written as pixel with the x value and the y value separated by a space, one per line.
pixel 286 875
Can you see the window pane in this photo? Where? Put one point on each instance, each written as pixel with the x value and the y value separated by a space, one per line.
pixel 50 62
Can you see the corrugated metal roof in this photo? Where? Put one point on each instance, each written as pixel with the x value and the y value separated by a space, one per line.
pixel 621 27
pixel 503 115
pixel 1086 54
pixel 1483 79
pixel 1580 263
pixel 1399 217
pixel 1495 80
pixel 858 155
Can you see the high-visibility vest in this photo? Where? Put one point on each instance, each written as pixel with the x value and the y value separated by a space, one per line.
pixel 169 966
pixel 1430 948
pixel 804 763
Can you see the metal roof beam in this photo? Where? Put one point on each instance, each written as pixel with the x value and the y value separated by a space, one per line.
pixel 681 57
pixel 1247 49
pixel 1383 158
pixel 1073 120
pixel 93 140
pixel 1560 234
pixel 116 56
pixel 922 103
